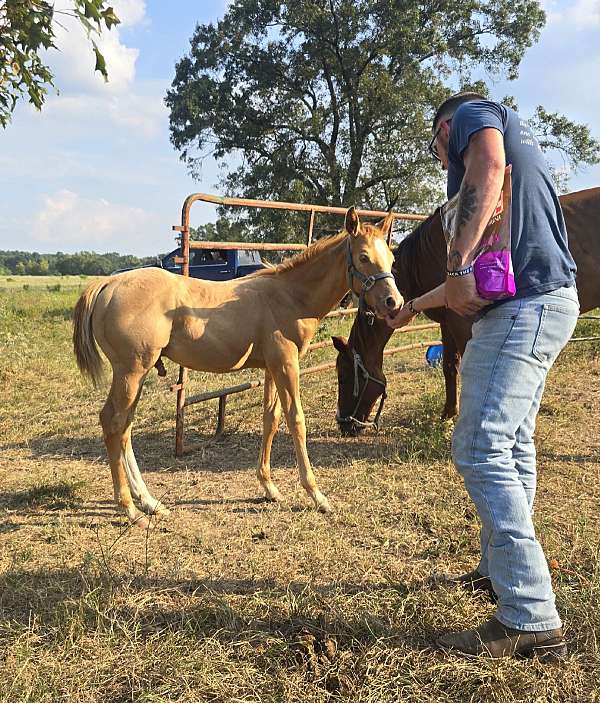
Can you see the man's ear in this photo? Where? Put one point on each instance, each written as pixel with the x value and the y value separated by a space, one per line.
pixel 386 226
pixel 341 344
pixel 352 223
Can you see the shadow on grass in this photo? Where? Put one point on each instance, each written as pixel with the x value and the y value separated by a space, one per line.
pixel 233 451
pixel 418 436
pixel 291 613
pixel 48 496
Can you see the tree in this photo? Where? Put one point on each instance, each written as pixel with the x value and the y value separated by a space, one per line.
pixel 223 230
pixel 330 101
pixel 26 29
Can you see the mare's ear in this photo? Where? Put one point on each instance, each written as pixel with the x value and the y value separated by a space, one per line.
pixel 341 344
pixel 386 225
pixel 352 223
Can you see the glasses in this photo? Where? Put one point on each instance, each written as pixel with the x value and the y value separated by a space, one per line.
pixel 432 147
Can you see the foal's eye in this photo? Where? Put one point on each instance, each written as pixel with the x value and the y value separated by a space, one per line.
pixel 364 258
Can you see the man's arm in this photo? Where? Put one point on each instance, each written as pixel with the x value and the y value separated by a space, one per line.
pixel 485 162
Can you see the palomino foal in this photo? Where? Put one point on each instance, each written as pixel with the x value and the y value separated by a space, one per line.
pixel 265 320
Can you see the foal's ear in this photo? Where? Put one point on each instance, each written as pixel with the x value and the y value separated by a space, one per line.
pixel 386 225
pixel 341 344
pixel 352 223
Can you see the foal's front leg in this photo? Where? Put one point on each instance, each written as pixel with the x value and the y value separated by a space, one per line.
pixel 286 375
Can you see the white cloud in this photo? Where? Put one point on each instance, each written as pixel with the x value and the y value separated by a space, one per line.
pixel 144 115
pixel 68 221
pixel 130 12
pixel 580 15
pixel 586 14
pixel 84 95
pixel 73 64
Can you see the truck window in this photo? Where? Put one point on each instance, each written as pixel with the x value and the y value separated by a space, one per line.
pixel 248 258
pixel 168 262
pixel 202 257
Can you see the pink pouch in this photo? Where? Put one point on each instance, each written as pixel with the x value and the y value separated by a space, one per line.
pixel 494 275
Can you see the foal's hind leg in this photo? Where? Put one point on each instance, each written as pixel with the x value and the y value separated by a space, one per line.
pixel 116 417
pixel 271 417
pixel 148 503
pixel 287 379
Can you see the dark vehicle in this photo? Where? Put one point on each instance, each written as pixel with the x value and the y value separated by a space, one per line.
pixel 212 264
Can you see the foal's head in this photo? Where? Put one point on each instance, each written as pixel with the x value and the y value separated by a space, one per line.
pixel 370 264
pixel 359 385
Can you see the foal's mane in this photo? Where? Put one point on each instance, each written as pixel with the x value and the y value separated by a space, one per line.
pixel 304 257
pixel 310 253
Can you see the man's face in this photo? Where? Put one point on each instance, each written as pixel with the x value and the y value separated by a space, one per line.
pixel 439 143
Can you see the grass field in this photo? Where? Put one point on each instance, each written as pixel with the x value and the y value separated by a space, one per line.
pixel 235 600
pixel 52 283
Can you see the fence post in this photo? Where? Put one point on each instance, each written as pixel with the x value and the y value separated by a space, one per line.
pixel 311 224
pixel 179 417
pixel 221 416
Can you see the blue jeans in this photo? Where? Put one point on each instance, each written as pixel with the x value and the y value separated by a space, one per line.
pixel 503 373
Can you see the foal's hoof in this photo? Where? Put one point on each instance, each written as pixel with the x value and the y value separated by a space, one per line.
pixel 140 521
pixel 272 495
pixel 159 511
pixel 324 507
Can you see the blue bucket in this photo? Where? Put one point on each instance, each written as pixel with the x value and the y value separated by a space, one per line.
pixel 434 355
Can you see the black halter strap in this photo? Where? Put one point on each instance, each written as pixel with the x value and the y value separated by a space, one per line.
pixel 359 366
pixel 367 283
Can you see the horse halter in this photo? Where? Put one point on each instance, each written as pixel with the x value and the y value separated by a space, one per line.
pixel 367 283
pixel 359 366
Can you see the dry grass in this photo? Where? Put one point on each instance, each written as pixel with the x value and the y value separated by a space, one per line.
pixel 235 600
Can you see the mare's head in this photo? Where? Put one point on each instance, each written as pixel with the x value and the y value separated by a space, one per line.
pixel 370 263
pixel 361 383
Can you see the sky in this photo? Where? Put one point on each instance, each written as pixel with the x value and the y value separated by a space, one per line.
pixel 95 170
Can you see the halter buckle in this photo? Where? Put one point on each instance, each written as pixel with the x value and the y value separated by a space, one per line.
pixel 369 282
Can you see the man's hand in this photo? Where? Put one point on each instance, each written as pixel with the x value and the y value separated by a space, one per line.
pixel 401 318
pixel 462 296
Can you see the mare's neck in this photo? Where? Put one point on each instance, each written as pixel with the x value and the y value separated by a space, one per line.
pixel 420 259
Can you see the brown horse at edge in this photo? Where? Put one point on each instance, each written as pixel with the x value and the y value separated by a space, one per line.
pixel 420 266
pixel 264 320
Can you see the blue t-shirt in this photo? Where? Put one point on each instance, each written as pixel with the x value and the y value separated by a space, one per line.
pixel 540 254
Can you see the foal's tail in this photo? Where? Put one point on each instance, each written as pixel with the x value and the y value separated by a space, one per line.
pixel 84 344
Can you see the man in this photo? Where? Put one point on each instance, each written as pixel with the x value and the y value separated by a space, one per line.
pixel 503 371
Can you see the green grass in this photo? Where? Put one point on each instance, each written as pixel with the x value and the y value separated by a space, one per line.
pixel 54 283
pixel 235 600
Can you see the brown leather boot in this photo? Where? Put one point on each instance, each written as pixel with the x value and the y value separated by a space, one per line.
pixel 472 581
pixel 493 639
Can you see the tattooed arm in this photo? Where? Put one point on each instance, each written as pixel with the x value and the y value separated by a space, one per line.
pixel 484 161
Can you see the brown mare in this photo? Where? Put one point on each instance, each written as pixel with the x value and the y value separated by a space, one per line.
pixel 265 320
pixel 420 265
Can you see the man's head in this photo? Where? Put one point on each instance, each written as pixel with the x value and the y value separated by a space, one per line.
pixel 441 124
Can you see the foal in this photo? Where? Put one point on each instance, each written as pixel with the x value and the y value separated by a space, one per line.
pixel 265 320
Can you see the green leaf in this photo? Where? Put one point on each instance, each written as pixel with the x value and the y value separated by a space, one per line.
pixel 110 18
pixel 91 11
pixel 100 63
